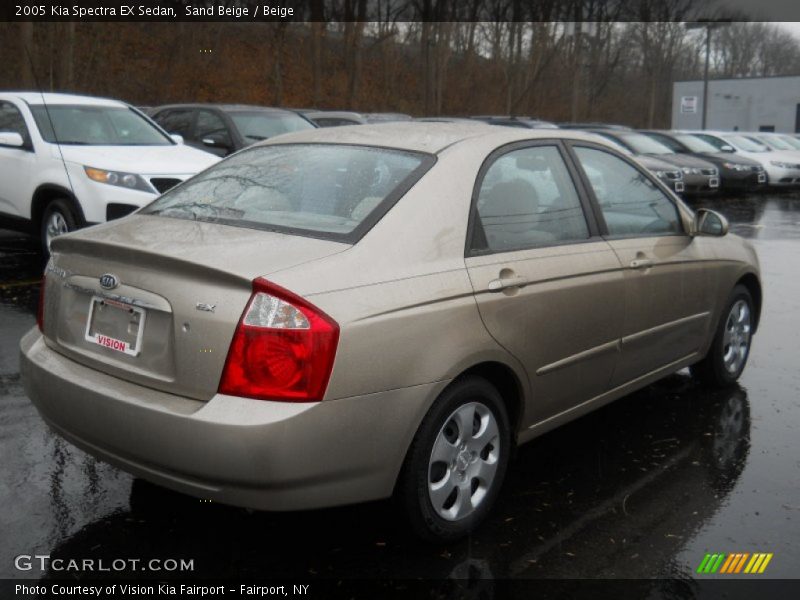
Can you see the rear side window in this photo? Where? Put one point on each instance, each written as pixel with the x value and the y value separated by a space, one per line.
pixel 526 200
pixel 631 203
pixel 332 191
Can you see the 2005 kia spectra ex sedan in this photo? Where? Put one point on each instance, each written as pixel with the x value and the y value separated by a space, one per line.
pixel 347 314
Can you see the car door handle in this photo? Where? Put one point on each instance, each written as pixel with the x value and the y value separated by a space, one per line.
pixel 498 285
pixel 641 263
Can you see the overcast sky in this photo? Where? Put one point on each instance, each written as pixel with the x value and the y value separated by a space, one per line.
pixel 765 10
pixel 792 26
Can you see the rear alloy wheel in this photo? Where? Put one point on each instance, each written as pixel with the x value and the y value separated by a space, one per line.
pixel 457 461
pixel 730 349
pixel 58 218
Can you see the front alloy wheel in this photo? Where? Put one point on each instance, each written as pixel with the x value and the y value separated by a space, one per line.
pixel 736 339
pixel 58 218
pixel 730 348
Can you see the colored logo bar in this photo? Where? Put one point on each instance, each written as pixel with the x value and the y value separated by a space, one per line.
pixel 737 562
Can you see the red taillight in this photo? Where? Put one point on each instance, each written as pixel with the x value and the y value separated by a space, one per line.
pixel 40 308
pixel 283 348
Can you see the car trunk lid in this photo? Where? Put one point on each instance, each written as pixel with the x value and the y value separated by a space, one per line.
pixel 155 300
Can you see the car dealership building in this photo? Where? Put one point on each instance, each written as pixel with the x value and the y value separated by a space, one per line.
pixel 743 104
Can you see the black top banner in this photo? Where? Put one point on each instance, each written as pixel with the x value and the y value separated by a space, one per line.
pixel 397 10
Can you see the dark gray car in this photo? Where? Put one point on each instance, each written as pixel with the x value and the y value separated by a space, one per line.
pixel 700 177
pixel 222 129
pixel 737 173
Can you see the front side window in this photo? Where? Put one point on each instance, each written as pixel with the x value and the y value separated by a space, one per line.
pixel 211 127
pixel 11 121
pixel 319 190
pixel 88 125
pixel 631 203
pixel 527 199
pixel 176 121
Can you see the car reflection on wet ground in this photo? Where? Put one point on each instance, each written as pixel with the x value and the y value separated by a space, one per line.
pixel 642 488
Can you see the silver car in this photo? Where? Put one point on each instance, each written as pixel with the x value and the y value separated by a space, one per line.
pixel 344 315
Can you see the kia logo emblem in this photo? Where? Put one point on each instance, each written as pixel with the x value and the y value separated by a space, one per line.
pixel 108 281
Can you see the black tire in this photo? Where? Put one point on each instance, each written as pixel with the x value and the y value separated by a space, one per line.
pixel 59 208
pixel 711 371
pixel 412 489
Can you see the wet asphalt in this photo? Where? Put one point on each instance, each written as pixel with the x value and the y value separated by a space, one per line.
pixel 642 488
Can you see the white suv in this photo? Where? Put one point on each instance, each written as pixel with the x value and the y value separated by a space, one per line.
pixel 69 161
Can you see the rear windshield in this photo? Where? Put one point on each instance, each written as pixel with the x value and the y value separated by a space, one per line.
pixel 255 126
pixel 332 191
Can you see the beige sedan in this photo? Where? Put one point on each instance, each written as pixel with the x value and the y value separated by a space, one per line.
pixel 348 314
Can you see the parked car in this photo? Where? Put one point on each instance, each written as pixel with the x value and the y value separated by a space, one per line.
pixel 700 177
pixel 671 175
pixel 736 172
pixel 521 122
pixel 222 129
pixel 783 168
pixel 249 339
pixel 69 161
pixel 334 118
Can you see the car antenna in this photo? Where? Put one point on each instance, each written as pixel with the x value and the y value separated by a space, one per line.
pixel 50 120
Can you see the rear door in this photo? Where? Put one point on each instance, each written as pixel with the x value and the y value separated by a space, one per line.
pixel 16 164
pixel 668 289
pixel 548 287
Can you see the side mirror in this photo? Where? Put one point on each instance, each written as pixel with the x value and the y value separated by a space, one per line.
pixel 216 140
pixel 176 137
pixel 11 138
pixel 727 148
pixel 710 223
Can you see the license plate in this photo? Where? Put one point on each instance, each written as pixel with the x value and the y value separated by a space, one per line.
pixel 115 325
pixel 678 186
pixel 713 182
pixel 762 178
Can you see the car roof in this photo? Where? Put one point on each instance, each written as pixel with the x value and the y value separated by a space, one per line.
pixel 423 136
pixel 55 98
pixel 223 107
pixel 334 114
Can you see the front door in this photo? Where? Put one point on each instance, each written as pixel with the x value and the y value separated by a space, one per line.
pixel 667 288
pixel 548 288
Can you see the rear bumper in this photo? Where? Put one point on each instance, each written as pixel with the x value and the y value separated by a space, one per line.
pixel 253 453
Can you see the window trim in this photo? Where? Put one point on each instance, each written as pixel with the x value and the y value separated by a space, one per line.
pixel 598 210
pixel 592 225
